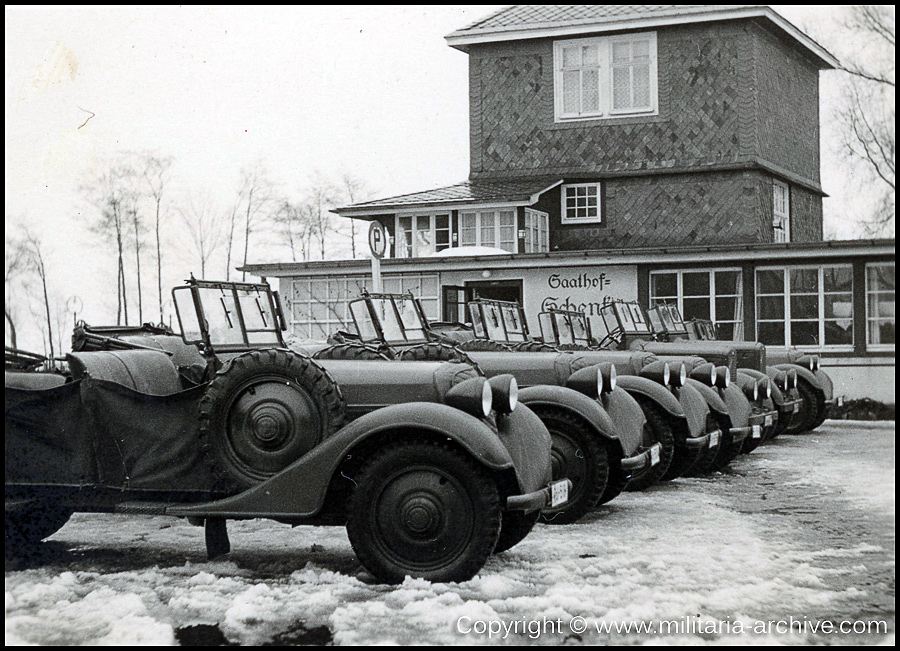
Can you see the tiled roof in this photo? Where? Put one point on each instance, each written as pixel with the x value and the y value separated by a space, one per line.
pixel 476 192
pixel 529 15
pixel 540 21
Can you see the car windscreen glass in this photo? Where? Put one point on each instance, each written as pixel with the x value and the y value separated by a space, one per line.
pixel 385 312
pixel 666 317
pixel 187 315
pixel 545 321
pixel 476 314
pixel 564 328
pixel 637 316
pixel 493 321
pixel 413 327
pixel 259 318
pixel 515 325
pixel 677 322
pixel 222 320
pixel 656 322
pixel 581 330
pixel 365 328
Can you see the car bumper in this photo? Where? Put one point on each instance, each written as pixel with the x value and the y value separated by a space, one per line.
pixel 536 500
pixel 645 459
pixel 708 440
pixel 740 434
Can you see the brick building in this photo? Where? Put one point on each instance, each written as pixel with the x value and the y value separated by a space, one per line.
pixel 661 152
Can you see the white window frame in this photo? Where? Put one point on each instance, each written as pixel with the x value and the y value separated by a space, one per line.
pixel 537 231
pixel 869 318
pixel 581 220
pixel 679 291
pixel 432 229
pixel 820 315
pixel 781 235
pixel 604 67
pixel 479 212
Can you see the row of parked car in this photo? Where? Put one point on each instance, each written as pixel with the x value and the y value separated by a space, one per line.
pixel 436 444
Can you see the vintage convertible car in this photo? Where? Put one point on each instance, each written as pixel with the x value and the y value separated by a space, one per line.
pixel 678 415
pixel 826 400
pixel 571 330
pixel 597 431
pixel 431 467
pixel 629 326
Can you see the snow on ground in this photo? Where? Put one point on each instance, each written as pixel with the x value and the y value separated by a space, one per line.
pixel 721 549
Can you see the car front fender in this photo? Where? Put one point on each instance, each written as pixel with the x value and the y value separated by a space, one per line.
pixel 826 383
pixel 585 408
pixel 804 373
pixel 712 397
pixel 738 405
pixel 628 419
pixel 636 385
pixel 300 489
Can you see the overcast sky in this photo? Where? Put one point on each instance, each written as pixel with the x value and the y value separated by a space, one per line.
pixel 374 91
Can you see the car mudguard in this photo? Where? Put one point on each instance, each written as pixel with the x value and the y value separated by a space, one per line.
pixel 300 489
pixel 570 400
pixel 695 408
pixel 628 419
pixel 656 392
pixel 710 395
pixel 738 405
pixel 826 384
pixel 804 373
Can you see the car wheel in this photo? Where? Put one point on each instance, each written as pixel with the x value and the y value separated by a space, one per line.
pixel 576 454
pixel 28 526
pixel 534 347
pixel 425 510
pixel 810 410
pixel 515 527
pixel 707 457
pixel 615 483
pixel 659 431
pixel 264 410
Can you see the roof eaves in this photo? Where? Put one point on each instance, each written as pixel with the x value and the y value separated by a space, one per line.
pixel 463 38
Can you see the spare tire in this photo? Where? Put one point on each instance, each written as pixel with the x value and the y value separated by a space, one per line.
pixel 356 352
pixel 264 410
pixel 534 347
pixel 436 352
pixel 483 346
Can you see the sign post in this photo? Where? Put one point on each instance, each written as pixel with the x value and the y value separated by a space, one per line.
pixel 378 246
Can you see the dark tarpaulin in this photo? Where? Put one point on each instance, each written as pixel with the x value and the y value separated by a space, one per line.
pixel 147 442
pixel 94 432
pixel 47 437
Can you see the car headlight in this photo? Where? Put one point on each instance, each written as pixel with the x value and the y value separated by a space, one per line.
pixel 680 377
pixel 705 373
pixel 505 392
pixel 608 372
pixel 723 377
pixel 782 381
pixel 473 396
pixel 792 379
pixel 751 390
pixel 658 372
pixel 588 380
pixel 765 387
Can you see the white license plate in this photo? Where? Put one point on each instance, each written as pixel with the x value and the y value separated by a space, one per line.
pixel 796 408
pixel 840 401
pixel 714 438
pixel 654 454
pixel 769 420
pixel 757 431
pixel 559 493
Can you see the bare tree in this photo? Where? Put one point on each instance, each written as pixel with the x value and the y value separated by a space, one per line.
pixel 321 197
pixel 205 228
pixel 868 115
pixel 354 190
pixel 258 194
pixel 156 177
pixel 112 193
pixel 294 224
pixel 34 261
pixel 16 271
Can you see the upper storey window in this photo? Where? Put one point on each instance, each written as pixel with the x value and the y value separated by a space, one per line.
pixel 605 77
